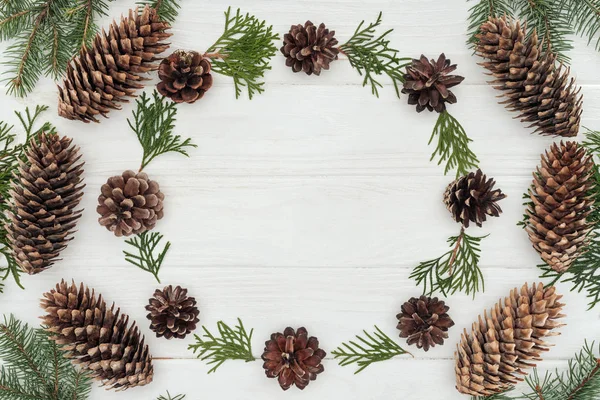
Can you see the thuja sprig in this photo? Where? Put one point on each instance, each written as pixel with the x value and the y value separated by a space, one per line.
pixel 230 344
pixel 167 10
pixel 168 397
pixel 148 257
pixel 452 145
pixel 243 51
pixel 456 270
pixel 364 351
pixel 371 55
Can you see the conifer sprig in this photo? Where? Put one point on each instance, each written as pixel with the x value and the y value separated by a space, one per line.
pixel 167 10
pixel 231 344
pixel 168 397
pixel 244 51
pixel 153 123
pixel 83 16
pixel 376 347
pixel 452 145
pixel 456 270
pixel 371 55
pixel 584 18
pixel 148 257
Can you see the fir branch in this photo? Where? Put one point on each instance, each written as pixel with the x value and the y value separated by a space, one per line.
pixel 83 16
pixel 233 344
pixel 584 18
pixel 146 245
pixel 484 9
pixel 244 51
pixel 499 396
pixel 453 145
pixel 168 397
pixel 375 348
pixel 372 56
pixel 167 10
pixel 456 270
pixel 154 123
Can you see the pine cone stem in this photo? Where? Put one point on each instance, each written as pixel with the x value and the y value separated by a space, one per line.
pixel 455 250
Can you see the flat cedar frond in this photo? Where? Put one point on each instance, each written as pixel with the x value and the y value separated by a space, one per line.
pixel 456 270
pixel 154 123
pixel 244 51
pixel 480 12
pixel 372 56
pixel 453 145
pixel 33 367
pixel 147 257
pixel 168 397
pixel 363 352
pixel 233 344
pixel 584 18
pixel 167 10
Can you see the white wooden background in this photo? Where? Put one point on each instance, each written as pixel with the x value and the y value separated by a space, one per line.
pixel 310 205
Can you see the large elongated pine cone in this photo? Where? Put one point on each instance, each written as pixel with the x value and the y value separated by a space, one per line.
pixel 45 196
pixel 542 93
pixel 560 204
pixel 505 342
pixel 98 338
pixel 113 67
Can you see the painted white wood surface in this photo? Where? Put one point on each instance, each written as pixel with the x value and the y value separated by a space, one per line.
pixel 310 205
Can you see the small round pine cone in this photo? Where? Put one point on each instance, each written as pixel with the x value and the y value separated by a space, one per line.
pixel 471 198
pixel 172 313
pixel 130 204
pixel 293 358
pixel 185 76
pixel 427 83
pixel 309 49
pixel 424 322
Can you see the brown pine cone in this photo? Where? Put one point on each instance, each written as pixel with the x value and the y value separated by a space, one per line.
pixel 424 322
pixel 293 358
pixel 172 313
pixel 427 83
pixel 45 197
pixel 113 68
pixel 309 49
pixel 97 338
pixel 471 198
pixel 185 76
pixel 557 226
pixel 506 340
pixel 130 204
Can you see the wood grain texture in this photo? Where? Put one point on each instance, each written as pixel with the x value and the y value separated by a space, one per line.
pixel 310 205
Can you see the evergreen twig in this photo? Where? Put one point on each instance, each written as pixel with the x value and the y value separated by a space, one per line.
pixel 168 397
pixel 453 145
pixel 372 56
pixel 481 11
pixel 243 51
pixel 233 344
pixel 375 348
pixel 83 16
pixel 584 18
pixel 167 10
pixel 146 245
pixel 456 270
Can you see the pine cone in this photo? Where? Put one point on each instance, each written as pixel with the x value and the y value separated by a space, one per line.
pixel 97 338
pixel 533 86
pixel 471 198
pixel 130 204
pixel 309 49
pixel 185 76
pixel 557 224
pixel 490 359
pixel 45 196
pixel 113 67
pixel 172 313
pixel 293 358
pixel 424 321
pixel 427 83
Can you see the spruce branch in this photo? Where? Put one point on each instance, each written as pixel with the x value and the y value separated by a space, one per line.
pixel 584 18
pixel 243 51
pixel 83 16
pixel 153 123
pixel 372 56
pixel 456 270
pixel 147 258
pixel 363 352
pixel 481 11
pixel 231 344
pixel 452 145
pixel 167 10
pixel 168 397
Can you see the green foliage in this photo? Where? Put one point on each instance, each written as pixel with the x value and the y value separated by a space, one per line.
pixel 456 270
pixel 453 145
pixel 584 18
pixel 33 367
pixel 363 352
pixel 233 344
pixel 147 258
pixel 243 51
pixel 154 123
pixel 168 397
pixel 372 56
pixel 481 11
pixel 167 10
pixel 499 396
pixel 83 16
